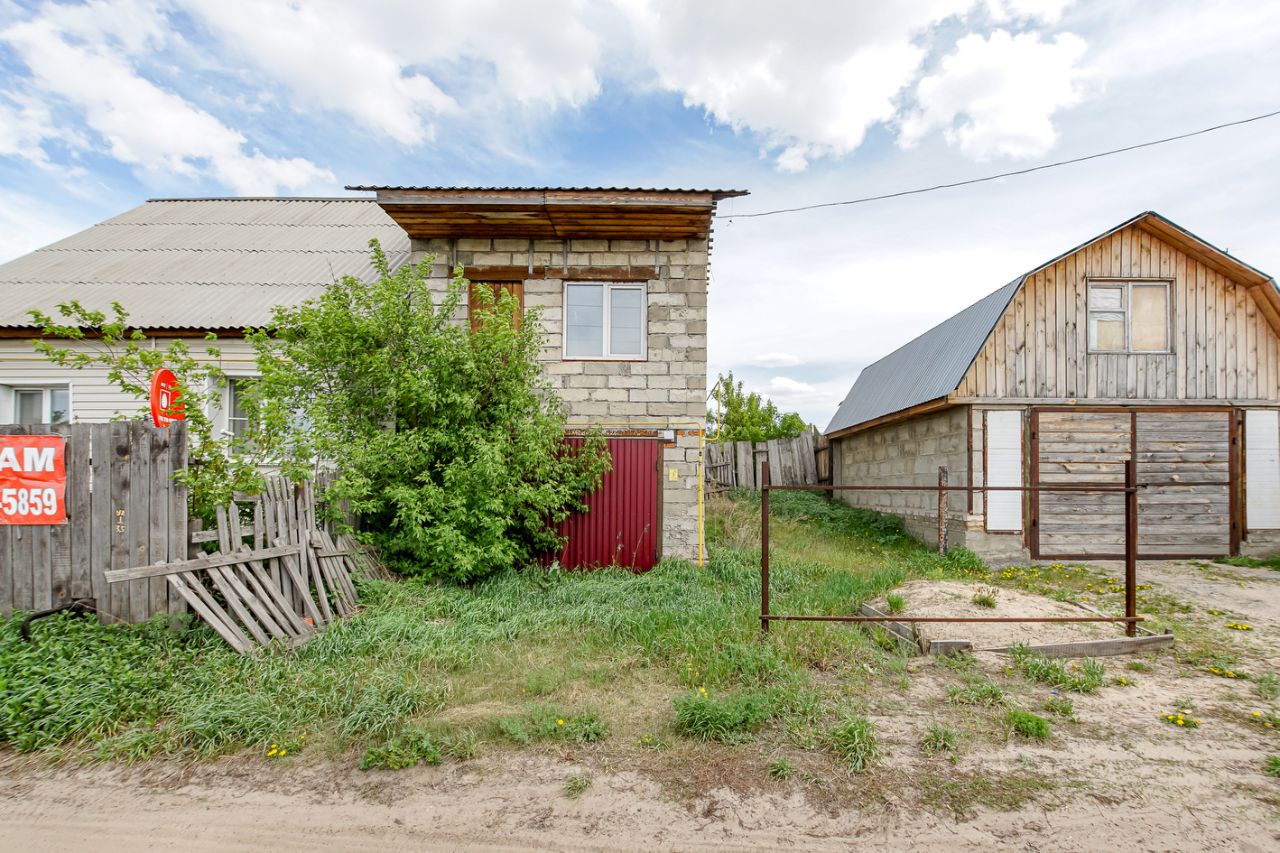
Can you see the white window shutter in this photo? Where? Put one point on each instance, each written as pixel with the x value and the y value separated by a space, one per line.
pixel 1262 468
pixel 1004 468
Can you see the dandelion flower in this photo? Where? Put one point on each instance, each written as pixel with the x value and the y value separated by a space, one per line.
pixel 559 722
pixel 284 752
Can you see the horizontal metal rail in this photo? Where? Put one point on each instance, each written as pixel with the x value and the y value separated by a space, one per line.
pixel 772 618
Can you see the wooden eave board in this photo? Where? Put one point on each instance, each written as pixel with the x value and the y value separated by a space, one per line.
pixel 424 220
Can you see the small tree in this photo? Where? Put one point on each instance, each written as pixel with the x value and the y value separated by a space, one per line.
pixel 448 440
pixel 218 465
pixel 743 416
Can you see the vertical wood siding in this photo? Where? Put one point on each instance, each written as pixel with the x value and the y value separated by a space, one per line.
pixel 1223 347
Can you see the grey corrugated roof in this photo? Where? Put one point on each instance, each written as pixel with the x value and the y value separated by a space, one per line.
pixel 202 263
pixel 719 194
pixel 928 367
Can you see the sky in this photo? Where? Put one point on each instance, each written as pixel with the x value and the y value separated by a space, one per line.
pixel 107 103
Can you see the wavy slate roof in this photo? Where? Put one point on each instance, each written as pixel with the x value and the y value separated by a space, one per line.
pixel 202 263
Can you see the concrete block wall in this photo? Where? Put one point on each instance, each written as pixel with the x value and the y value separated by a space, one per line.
pixel 665 390
pixel 908 453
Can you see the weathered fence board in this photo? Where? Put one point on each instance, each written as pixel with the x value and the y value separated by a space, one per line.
pixel 123 510
pixel 801 461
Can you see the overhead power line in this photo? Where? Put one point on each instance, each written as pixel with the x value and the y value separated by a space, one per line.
pixel 997 177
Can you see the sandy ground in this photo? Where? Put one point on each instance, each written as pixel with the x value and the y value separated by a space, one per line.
pixel 1128 782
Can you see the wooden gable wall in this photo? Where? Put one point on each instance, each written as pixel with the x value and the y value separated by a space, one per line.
pixel 1223 345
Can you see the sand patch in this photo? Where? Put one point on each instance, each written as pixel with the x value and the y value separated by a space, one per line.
pixel 955 598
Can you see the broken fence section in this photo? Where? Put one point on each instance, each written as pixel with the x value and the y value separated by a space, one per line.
pixel 277 575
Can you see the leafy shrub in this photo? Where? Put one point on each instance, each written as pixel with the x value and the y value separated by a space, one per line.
pixel 449 438
pixel 853 740
pixel 406 749
pixel 727 719
pixel 1029 725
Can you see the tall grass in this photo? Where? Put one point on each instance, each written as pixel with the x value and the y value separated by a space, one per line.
pixel 417 647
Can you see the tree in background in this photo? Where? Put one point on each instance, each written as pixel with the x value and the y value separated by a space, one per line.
pixel 746 416
pixel 448 440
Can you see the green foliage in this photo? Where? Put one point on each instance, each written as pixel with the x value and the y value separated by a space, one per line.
pixel 1084 677
pixel 1061 706
pixel 727 719
pixel 1028 725
pixel 1268 685
pixel 895 603
pixel 940 739
pixel 576 785
pixel 743 416
pixel 448 439
pixel 853 740
pixel 218 465
pixel 1271 766
pixel 407 749
pixel 546 722
pixel 986 597
pixel 781 769
pixel 976 691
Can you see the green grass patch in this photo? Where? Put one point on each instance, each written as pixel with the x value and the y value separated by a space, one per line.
pixel 976 691
pixel 548 722
pixel 940 739
pixel 1251 562
pixel 576 785
pixel 1028 725
pixel 1271 766
pixel 1267 685
pixel 1083 677
pixel 781 769
pixel 727 719
pixel 1061 706
pixel 853 741
pixel 895 603
pixel 407 749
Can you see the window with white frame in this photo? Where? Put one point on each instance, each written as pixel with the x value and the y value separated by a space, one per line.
pixel 45 405
pixel 1129 316
pixel 606 321
pixel 237 417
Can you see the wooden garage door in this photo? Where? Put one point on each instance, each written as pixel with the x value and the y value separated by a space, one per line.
pixel 1169 447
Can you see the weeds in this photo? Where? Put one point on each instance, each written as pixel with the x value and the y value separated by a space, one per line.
pixel 986 597
pixel 976 691
pixel 781 769
pixel 1028 725
pixel 460 745
pixel 728 720
pixel 1267 685
pixel 1061 706
pixel 853 740
pixel 895 603
pixel 940 739
pixel 546 722
pixel 1084 677
pixel 576 785
pixel 407 749
pixel 1271 766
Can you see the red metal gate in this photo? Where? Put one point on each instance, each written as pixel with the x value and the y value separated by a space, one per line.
pixel 621 525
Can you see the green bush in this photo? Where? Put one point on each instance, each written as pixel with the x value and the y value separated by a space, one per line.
pixel 727 719
pixel 854 742
pixel 1029 725
pixel 448 437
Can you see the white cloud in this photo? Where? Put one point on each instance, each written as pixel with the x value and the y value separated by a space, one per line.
pixel 996 96
pixel 79 55
pixel 784 386
pixel 1047 11
pixel 776 359
pixel 384 65
pixel 810 80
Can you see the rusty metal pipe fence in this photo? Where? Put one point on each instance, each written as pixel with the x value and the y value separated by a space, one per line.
pixel 1130 491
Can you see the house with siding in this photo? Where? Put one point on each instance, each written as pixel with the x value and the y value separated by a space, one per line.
pixel 620 276
pixel 1145 343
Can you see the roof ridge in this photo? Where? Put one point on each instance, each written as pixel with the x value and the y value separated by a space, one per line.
pixel 316 198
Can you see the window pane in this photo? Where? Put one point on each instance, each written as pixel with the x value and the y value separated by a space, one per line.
pixel 1150 318
pixel 1106 332
pixel 29 406
pixel 59 405
pixel 584 320
pixel 626 320
pixel 1106 298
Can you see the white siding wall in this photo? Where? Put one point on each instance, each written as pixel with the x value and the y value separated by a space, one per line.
pixel 1004 468
pixel 93 397
pixel 1262 469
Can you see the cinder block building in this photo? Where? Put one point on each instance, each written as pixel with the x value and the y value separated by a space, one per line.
pixel 620 276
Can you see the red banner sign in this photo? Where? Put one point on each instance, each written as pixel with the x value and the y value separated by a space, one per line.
pixel 166 398
pixel 33 479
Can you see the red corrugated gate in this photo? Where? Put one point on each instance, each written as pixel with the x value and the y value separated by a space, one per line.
pixel 621 525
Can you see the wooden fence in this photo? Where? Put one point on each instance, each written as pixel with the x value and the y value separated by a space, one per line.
pixel 801 461
pixel 123 510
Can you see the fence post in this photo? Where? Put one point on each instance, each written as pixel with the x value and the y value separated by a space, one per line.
pixel 942 509
pixel 764 547
pixel 1131 546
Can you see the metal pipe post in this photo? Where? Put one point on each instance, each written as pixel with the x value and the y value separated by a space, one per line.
pixel 764 547
pixel 942 509
pixel 1131 546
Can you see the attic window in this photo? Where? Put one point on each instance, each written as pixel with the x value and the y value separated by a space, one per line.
pixel 605 321
pixel 1129 316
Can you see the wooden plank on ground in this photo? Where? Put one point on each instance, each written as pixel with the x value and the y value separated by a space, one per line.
pixel 188 588
pixel 901 630
pixel 1097 648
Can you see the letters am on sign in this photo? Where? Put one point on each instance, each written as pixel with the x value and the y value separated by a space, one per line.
pixel 33 479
